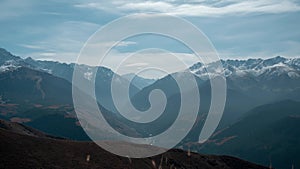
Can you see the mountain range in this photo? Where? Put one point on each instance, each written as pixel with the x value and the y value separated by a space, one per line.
pixel 39 94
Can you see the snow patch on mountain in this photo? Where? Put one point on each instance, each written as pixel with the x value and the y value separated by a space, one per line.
pixel 9 66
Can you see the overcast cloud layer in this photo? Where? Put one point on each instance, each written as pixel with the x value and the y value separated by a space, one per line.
pixel 209 8
pixel 56 30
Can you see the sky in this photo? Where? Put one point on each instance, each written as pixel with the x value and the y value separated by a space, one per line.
pixel 57 29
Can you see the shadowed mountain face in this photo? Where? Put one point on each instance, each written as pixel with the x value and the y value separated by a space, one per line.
pixel 23 147
pixel 27 86
pixel 267 134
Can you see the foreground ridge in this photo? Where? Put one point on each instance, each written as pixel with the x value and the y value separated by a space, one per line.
pixel 22 150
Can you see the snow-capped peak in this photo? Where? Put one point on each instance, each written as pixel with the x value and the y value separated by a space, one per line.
pixel 276 66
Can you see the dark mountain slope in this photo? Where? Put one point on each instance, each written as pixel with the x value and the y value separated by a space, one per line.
pixel 28 86
pixel 11 64
pixel 270 133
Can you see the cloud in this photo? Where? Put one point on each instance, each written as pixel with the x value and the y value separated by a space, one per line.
pixel 148 6
pixel 111 43
pixel 60 33
pixel 133 62
pixel 199 8
pixel 28 46
pixel 102 6
pixel 136 64
pixel 63 43
pixel 126 43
